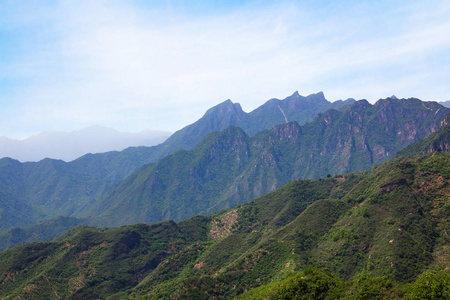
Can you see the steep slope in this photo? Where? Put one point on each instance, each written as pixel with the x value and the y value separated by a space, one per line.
pixel 230 168
pixel 390 221
pixel 177 182
pixel 438 141
pixel 367 134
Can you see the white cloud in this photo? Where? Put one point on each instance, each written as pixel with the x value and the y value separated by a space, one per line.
pixel 127 66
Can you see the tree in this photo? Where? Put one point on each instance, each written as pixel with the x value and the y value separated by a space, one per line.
pixel 430 286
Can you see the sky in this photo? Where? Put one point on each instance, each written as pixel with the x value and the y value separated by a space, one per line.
pixel 131 65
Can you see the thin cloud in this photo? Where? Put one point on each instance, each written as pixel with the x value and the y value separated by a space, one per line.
pixel 126 65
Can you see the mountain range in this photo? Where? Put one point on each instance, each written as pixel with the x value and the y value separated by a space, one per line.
pixel 229 166
pixel 68 146
pixel 381 233
pixel 50 187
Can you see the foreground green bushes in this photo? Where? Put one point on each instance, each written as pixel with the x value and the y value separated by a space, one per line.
pixel 316 283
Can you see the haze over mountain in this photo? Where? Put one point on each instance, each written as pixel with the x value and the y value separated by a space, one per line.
pixel 445 103
pixel 71 145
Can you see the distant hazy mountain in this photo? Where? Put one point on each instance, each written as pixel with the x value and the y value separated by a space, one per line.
pixel 71 145
pixel 445 103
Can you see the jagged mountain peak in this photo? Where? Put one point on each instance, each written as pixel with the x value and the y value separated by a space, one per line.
pixel 297 98
pixel 225 106
pixel 348 100
pixel 275 111
pixel 317 96
pixel 407 103
pixel 362 102
pixel 223 115
pixel 394 99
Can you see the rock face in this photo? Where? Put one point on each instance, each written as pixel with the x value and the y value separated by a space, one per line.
pixel 230 167
pixel 439 141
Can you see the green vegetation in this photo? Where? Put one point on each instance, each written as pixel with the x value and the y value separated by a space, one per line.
pixel 371 235
pixel 321 284
pixel 314 283
pixel 430 285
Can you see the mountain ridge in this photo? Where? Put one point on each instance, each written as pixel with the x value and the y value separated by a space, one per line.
pixel 230 167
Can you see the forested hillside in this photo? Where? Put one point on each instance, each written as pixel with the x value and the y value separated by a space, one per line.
pixel 388 223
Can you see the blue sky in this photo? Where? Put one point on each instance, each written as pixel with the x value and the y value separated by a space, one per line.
pixel 130 65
